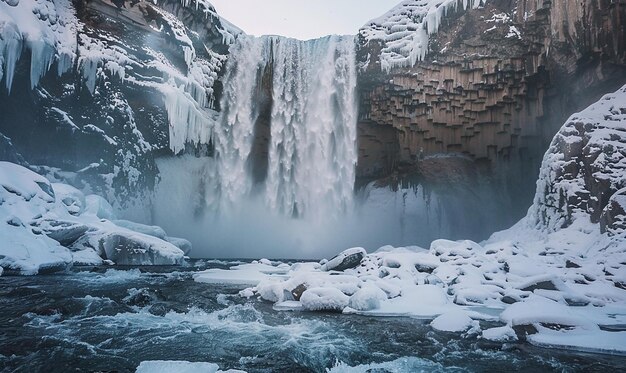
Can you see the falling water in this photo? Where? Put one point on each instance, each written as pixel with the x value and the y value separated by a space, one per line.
pixel 281 181
pixel 311 153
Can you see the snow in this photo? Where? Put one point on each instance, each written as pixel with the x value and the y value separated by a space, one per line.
pixel 404 30
pixel 243 274
pixel 453 321
pixel 48 226
pixel 318 299
pixel 164 366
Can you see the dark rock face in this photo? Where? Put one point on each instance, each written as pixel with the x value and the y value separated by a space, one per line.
pixel 613 218
pixel 496 86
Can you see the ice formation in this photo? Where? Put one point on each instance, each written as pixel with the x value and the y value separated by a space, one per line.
pixel 45 28
pixel 52 33
pixel 312 150
pixel 404 31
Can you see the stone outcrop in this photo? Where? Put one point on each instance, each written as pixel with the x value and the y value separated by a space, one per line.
pixel 583 172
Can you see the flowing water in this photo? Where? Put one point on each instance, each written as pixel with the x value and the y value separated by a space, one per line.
pixel 311 150
pixel 111 319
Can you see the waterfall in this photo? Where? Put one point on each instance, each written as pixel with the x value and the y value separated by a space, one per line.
pixel 281 180
pixel 311 151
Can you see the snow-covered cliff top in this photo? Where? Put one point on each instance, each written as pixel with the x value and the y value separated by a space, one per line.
pixel 405 29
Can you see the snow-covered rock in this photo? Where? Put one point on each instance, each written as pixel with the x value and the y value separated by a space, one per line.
pixel 99 207
pixel 453 321
pixel 404 30
pixel 47 226
pixel 324 299
pixel 24 197
pixel 584 166
pixel 347 259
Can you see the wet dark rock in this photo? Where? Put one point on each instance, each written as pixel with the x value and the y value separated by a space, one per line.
pixel 143 297
pixel 570 264
pixel 509 299
pixel 347 259
pixel 522 331
pixel 543 285
pixel 296 293
pixel 158 309
pixel 425 268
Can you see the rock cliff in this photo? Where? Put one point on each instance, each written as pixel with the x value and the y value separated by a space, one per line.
pixel 103 87
pixel 493 83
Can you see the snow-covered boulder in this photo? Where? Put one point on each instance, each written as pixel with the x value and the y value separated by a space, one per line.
pixel 150 230
pixel 347 259
pixel 126 247
pixel 25 197
pixel 72 198
pixel 584 166
pixel 453 321
pixel 324 299
pixel 45 227
pixel 367 298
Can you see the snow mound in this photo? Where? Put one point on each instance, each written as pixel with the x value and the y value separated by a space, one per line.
pixel 324 299
pixel 453 321
pixel 404 30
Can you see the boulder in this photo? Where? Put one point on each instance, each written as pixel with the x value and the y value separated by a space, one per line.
pixel 64 232
pixel 139 249
pixel 324 299
pixel 350 258
pixel 367 298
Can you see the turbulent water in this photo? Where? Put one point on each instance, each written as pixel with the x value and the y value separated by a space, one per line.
pixel 111 319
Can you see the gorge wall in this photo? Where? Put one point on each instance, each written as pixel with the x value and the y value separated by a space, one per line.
pixel 499 79
pixel 458 100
